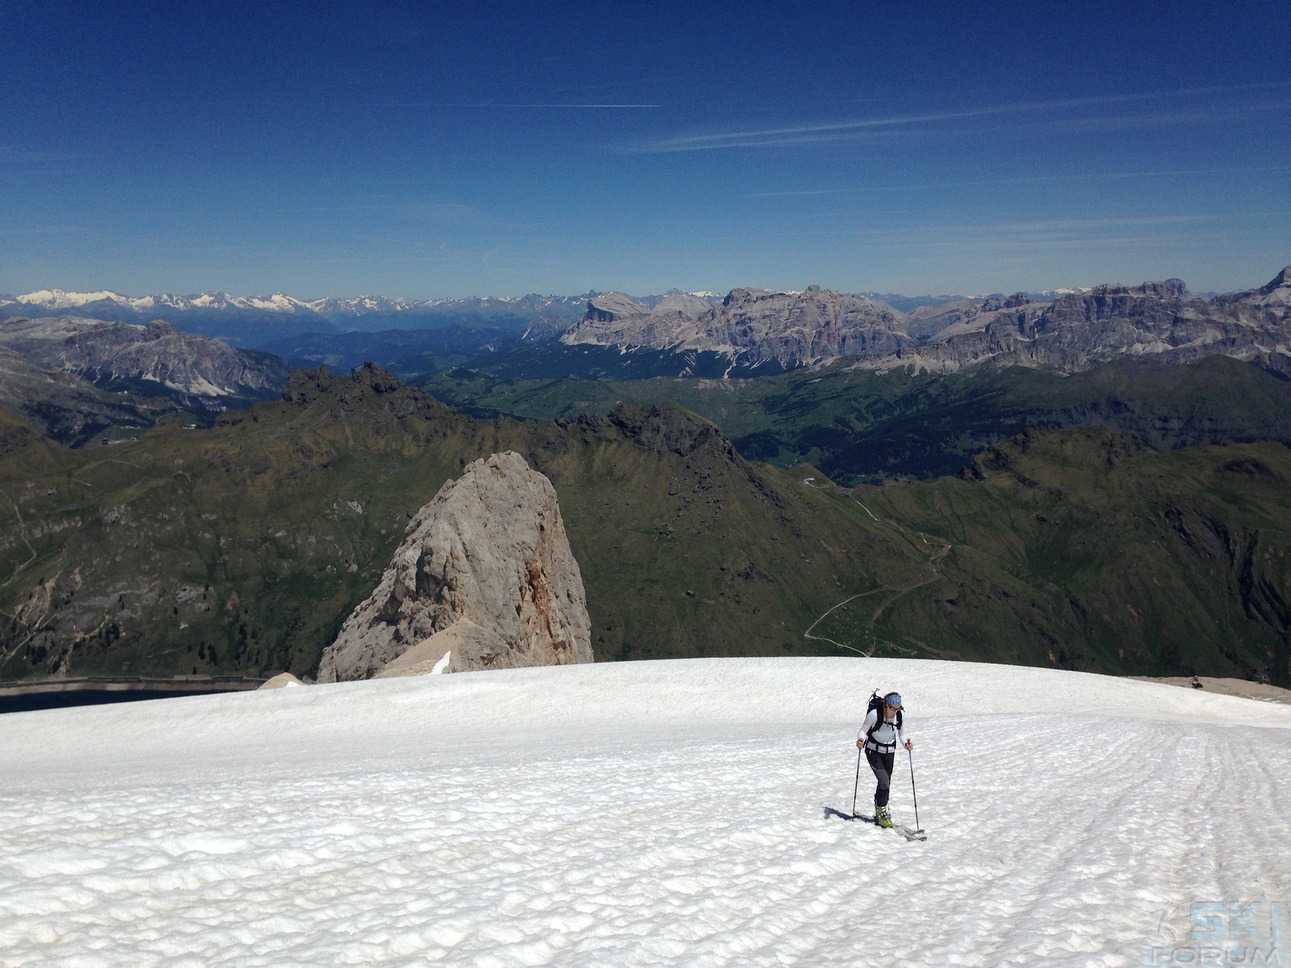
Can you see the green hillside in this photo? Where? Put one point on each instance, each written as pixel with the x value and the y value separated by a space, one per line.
pixel 241 549
pixel 1100 553
pixel 857 425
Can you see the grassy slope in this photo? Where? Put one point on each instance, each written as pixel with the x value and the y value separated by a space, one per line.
pixel 1103 553
pixel 242 548
pixel 860 426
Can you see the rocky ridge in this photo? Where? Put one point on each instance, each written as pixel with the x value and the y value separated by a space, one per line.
pixel 1276 293
pixel 484 579
pixel 753 325
pixel 155 356
pixel 1075 332
pixel 63 406
pixel 1078 330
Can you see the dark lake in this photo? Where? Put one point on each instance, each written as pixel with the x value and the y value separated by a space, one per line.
pixel 62 698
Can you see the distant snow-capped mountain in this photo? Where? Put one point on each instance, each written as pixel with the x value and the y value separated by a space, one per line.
pixel 62 300
pixel 358 306
pixel 256 320
pixel 1070 328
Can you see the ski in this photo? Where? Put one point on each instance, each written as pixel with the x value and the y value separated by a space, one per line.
pixel 909 833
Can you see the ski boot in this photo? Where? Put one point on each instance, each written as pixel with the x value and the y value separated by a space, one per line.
pixel 883 816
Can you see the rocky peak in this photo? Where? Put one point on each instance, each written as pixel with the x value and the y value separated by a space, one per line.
pixel 738 296
pixel 1281 281
pixel 176 362
pixel 692 307
pixel 484 579
pixel 671 429
pixel 1276 294
pixel 754 326
pixel 612 306
pixel 1170 289
pixel 304 387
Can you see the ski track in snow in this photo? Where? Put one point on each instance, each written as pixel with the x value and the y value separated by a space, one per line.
pixel 1066 839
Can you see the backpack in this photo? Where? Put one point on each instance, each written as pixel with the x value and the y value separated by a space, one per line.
pixel 876 703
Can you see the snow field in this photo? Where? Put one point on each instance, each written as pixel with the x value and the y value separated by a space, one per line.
pixel 668 813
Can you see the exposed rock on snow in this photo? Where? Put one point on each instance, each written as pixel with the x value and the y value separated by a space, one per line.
pixel 1228 687
pixel 484 579
pixel 282 680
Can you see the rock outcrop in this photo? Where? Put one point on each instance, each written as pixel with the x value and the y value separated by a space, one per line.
pixel 63 406
pixel 156 357
pixel 283 680
pixel 484 579
pixel 1275 295
pixel 1075 332
pixel 754 325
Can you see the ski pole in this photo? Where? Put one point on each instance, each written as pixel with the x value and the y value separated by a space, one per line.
pixel 858 781
pixel 912 791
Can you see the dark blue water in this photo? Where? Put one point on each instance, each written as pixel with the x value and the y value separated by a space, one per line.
pixel 91 697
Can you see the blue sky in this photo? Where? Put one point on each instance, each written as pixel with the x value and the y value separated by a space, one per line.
pixel 447 149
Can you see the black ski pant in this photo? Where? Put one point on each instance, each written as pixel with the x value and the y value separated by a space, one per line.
pixel 881 764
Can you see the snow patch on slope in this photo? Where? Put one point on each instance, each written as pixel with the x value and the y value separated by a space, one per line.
pixel 653 813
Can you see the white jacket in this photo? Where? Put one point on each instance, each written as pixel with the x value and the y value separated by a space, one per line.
pixel 887 734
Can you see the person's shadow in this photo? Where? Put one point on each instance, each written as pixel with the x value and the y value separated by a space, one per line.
pixel 831 812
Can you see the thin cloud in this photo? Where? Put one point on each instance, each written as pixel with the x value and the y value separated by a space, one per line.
pixel 1119 229
pixel 407 243
pixel 796 135
pixel 454 214
pixel 1022 179
pixel 592 107
pixel 44 230
pixel 1050 226
pixel 26 153
pixel 510 106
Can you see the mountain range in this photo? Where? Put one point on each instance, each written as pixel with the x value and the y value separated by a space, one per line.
pixel 538 361
pixel 1097 481
pixel 1075 332
pixel 76 378
pixel 746 331
pixel 250 320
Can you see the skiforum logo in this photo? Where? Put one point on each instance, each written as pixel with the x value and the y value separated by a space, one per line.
pixel 1243 933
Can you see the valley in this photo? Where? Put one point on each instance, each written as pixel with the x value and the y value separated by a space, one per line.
pixel 1127 516
pixel 241 549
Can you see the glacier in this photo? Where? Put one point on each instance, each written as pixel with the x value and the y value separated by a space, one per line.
pixel 651 813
